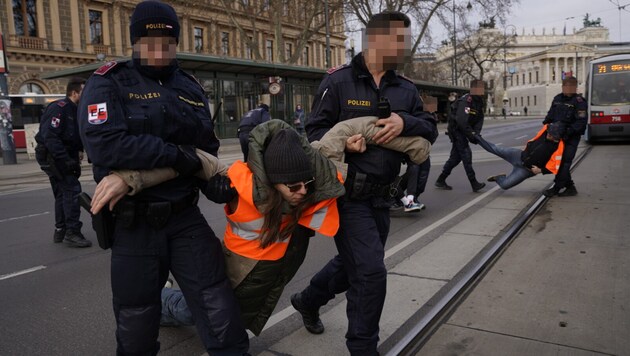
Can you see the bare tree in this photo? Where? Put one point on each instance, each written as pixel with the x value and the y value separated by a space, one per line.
pixel 425 13
pixel 481 48
pixel 300 20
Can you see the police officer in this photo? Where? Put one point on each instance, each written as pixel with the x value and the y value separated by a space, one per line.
pixel 250 120
pixel 465 121
pixel 59 152
pixel 569 110
pixel 143 114
pixel 368 83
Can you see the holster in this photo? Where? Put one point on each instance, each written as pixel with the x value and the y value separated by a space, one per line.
pixel 102 223
pixel 359 187
pixel 47 162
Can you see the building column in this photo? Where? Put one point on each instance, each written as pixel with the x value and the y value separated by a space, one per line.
pixel 117 48
pixel 557 69
pixel 56 27
pixel 76 26
pixel 185 29
pixel 547 72
pixel 584 74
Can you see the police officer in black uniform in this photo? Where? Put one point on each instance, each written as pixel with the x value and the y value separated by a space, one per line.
pixel 367 86
pixel 59 153
pixel 569 110
pixel 143 114
pixel 250 120
pixel 464 123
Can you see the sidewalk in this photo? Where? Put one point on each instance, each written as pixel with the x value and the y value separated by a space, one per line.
pixel 563 286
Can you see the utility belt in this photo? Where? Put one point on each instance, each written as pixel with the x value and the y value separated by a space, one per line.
pixel 155 214
pixel 360 187
pixel 47 162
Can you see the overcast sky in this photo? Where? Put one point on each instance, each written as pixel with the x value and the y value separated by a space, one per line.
pixel 556 13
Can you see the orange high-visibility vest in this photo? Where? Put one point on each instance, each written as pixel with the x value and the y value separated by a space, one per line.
pixel 553 165
pixel 245 223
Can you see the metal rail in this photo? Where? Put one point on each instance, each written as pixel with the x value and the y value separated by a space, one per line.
pixel 420 333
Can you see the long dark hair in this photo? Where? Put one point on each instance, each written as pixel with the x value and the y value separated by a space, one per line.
pixel 272 210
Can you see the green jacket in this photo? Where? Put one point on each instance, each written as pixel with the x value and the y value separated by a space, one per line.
pixel 258 285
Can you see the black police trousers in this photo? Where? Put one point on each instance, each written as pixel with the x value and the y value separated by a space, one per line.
pixel 141 259
pixel 563 178
pixel 460 152
pixel 359 270
pixel 67 210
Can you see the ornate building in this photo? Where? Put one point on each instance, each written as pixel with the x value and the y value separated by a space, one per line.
pixel 528 70
pixel 48 35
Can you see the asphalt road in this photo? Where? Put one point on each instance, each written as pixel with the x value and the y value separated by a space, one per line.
pixel 60 302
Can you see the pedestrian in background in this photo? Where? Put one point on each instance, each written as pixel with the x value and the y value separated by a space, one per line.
pixel 250 120
pixel 142 114
pixel 59 153
pixel 465 121
pixel 367 84
pixel 569 109
pixel 298 119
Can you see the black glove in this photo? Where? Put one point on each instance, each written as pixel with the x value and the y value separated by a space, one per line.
pixel 72 168
pixel 472 138
pixel 187 162
pixel 219 190
pixel 547 120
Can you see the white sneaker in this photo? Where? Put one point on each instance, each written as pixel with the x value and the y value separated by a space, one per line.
pixel 169 283
pixel 413 206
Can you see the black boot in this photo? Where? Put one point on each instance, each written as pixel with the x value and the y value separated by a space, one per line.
pixel 76 239
pixel 441 182
pixel 551 192
pixel 570 191
pixel 310 317
pixel 476 186
pixel 59 234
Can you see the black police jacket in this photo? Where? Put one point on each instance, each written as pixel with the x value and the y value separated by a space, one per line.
pixel 128 120
pixel 253 118
pixel 59 132
pixel 570 112
pixel 349 91
pixel 468 115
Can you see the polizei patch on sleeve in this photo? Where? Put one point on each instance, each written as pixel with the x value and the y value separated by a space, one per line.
pixel 97 113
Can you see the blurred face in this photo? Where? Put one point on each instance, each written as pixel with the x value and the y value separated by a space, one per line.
pixel 388 47
pixel 569 89
pixel 480 91
pixel 294 193
pixel 155 51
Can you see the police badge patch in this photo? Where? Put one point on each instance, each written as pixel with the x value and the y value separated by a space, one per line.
pixel 97 113
pixel 55 122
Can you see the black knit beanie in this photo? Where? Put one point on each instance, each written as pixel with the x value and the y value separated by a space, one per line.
pixel 153 16
pixel 285 159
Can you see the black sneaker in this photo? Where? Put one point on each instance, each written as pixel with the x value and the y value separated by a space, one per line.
pixel 570 191
pixel 59 235
pixel 76 239
pixel 442 185
pixel 477 186
pixel 550 192
pixel 396 206
pixel 311 319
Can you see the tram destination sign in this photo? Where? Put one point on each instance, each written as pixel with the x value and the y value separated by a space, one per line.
pixel 612 67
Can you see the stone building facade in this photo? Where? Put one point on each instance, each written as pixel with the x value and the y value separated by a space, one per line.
pixel 43 36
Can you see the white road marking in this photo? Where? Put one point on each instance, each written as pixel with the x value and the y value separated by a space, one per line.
pixel 22 190
pixel 286 312
pixel 520 137
pixel 24 217
pixel 19 273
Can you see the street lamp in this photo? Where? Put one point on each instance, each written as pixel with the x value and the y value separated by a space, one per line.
pixel 505 97
pixel 468 7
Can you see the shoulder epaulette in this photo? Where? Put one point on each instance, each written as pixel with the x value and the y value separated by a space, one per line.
pixel 579 99
pixel 61 103
pixel 193 78
pixel 334 69
pixel 106 68
pixel 405 78
pixel 469 98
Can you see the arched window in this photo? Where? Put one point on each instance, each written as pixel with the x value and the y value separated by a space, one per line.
pixel 25 18
pixel 31 88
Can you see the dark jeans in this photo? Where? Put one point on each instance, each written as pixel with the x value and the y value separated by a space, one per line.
pixel 512 156
pixel 460 152
pixel 141 259
pixel 67 209
pixel 563 178
pixel 358 270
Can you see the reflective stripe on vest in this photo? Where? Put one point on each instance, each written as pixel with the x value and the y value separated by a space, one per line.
pixel 245 223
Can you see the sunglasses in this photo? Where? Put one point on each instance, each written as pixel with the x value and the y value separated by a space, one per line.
pixel 297 186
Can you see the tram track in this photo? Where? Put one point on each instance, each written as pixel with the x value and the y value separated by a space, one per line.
pixel 444 304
